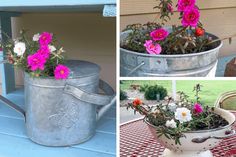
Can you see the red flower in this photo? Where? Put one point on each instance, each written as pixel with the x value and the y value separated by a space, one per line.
pixel 199 32
pixel 137 102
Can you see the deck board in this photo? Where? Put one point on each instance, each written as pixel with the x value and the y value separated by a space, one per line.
pixel 222 62
pixel 13 135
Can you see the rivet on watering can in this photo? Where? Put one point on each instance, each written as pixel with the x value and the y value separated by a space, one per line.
pixel 159 62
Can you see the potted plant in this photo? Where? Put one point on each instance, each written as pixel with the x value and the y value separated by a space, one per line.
pixel 186 128
pixel 40 56
pixel 153 49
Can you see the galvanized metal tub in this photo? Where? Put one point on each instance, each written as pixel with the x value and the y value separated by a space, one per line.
pixel 187 65
pixel 65 112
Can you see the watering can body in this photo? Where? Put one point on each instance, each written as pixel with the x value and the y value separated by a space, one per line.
pixel 65 112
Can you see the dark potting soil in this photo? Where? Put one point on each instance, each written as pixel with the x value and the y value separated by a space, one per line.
pixel 216 122
pixel 205 48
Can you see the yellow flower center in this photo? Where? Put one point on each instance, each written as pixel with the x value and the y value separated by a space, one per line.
pixel 62 72
pixel 184 114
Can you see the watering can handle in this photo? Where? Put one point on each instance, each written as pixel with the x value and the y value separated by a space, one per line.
pixel 105 100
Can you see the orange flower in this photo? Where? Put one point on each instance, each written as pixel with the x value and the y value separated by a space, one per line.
pixel 199 32
pixel 137 102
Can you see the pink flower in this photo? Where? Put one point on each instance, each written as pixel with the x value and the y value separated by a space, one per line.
pixel 183 4
pixel 61 72
pixel 151 48
pixel 170 8
pixel 191 17
pixel 159 34
pixel 36 61
pixel 44 51
pixel 197 108
pixel 45 38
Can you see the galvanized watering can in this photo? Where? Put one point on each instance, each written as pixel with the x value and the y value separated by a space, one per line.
pixel 65 112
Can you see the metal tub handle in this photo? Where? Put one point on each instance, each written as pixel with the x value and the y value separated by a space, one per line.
pixel 135 69
pixel 106 101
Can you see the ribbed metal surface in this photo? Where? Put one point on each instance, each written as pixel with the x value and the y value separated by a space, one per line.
pixel 190 65
pixel 63 112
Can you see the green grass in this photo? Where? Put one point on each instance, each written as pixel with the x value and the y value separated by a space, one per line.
pixel 126 84
pixel 211 89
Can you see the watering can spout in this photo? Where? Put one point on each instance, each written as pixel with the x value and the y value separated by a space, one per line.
pixel 12 105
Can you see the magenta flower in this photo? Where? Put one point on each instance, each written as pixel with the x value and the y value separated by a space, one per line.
pixel 61 72
pixel 36 61
pixel 190 17
pixel 183 4
pixel 45 38
pixel 151 48
pixel 197 108
pixel 159 34
pixel 44 51
pixel 170 8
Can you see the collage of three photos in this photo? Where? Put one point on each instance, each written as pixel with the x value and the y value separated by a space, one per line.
pixel 125 78
pixel 177 85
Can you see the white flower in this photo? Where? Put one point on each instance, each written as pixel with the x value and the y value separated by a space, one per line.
pixel 183 115
pixel 52 48
pixel 171 124
pixel 172 107
pixel 36 37
pixel 62 50
pixel 19 48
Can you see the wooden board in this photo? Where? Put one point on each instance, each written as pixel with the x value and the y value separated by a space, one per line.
pixel 59 5
pixel 131 7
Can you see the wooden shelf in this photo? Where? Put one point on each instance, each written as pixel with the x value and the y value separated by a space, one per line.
pixel 58 6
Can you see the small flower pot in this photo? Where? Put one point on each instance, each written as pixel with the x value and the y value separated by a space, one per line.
pixel 196 143
pixel 183 65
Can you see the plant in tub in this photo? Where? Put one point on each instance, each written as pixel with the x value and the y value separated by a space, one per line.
pixel 155 39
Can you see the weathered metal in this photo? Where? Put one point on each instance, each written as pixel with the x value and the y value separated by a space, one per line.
pixel 65 112
pixel 145 65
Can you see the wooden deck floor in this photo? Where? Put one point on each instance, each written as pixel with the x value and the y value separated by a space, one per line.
pixel 15 143
pixel 222 64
